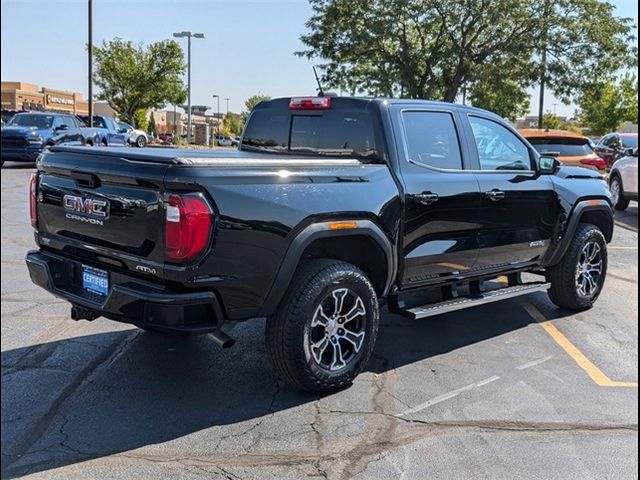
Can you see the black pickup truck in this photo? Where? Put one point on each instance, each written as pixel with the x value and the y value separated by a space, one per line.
pixel 332 208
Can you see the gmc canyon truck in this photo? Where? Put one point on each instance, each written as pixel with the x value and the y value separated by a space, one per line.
pixel 331 208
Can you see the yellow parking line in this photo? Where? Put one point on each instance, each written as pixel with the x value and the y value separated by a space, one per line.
pixel 597 375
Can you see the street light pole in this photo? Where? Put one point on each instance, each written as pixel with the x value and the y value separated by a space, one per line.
pixel 217 97
pixel 188 35
pixel 227 99
pixel 90 53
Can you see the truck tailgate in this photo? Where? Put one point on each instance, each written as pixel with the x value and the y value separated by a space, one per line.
pixel 106 208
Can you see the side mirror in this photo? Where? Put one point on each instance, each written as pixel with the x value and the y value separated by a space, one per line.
pixel 548 165
pixel 629 152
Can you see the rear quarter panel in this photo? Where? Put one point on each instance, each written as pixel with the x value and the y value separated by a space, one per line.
pixel 260 210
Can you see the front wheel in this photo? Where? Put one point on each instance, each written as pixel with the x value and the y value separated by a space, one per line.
pixel 576 282
pixel 323 333
pixel 141 141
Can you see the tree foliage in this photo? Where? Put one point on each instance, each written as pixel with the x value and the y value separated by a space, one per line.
pixel 605 105
pixel 254 100
pixel 137 77
pixel 233 124
pixel 140 119
pixel 153 127
pixel 431 48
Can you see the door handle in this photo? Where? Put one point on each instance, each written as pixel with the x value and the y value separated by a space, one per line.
pixel 425 198
pixel 494 195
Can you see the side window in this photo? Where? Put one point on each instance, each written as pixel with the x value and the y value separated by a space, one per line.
pixel 608 140
pixel 498 147
pixel 432 139
pixel 69 123
pixel 57 121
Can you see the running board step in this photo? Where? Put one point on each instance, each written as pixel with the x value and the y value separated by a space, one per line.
pixel 483 298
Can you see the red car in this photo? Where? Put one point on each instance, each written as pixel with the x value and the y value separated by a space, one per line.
pixel 613 146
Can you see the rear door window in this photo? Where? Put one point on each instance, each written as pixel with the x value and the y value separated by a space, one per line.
pixel 432 139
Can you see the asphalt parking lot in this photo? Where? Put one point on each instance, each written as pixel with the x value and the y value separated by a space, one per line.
pixel 517 389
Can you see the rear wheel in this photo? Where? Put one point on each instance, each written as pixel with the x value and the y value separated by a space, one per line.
pixel 323 333
pixel 617 193
pixel 141 141
pixel 576 282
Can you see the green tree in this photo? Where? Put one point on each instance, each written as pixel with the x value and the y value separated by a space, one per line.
pixel 233 124
pixel 552 121
pixel 604 106
pixel 137 77
pixel 498 88
pixel 140 119
pixel 153 128
pixel 430 48
pixel 254 100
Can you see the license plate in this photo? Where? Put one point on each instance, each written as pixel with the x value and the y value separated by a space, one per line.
pixel 95 280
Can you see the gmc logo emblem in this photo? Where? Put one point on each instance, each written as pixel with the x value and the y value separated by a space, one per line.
pixel 86 206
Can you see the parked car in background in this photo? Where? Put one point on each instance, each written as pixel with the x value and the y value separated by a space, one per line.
pixel 135 136
pixel 7 114
pixel 108 132
pixel 623 180
pixel 223 141
pixel 569 147
pixel 613 146
pixel 165 137
pixel 27 134
pixel 235 141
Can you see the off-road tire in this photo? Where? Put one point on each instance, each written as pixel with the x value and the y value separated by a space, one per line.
pixel 286 330
pixel 564 290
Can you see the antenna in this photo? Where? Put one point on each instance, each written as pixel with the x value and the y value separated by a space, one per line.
pixel 320 91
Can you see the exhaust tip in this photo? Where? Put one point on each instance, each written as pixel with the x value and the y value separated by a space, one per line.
pixel 222 339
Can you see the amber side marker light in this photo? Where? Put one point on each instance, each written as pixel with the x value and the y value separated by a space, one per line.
pixel 342 225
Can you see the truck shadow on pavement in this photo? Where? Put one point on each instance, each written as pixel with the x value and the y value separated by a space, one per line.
pixel 149 388
pixel 629 218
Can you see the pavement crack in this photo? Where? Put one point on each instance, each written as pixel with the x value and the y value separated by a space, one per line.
pixel 102 361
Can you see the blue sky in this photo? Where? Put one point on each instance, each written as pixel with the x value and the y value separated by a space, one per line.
pixel 249 45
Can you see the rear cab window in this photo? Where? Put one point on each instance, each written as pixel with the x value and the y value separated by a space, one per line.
pixel 565 147
pixel 347 129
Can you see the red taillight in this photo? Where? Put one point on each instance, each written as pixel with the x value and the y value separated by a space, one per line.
pixel 597 162
pixel 33 200
pixel 187 227
pixel 310 103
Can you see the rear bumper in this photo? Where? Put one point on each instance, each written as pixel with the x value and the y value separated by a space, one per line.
pixel 129 300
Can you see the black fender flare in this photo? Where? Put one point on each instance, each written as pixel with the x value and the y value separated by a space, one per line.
pixel 578 211
pixel 317 231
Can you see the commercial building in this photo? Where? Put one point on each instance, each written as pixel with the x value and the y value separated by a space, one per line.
pixel 27 96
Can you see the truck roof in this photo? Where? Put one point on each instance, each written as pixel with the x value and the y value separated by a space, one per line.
pixel 363 102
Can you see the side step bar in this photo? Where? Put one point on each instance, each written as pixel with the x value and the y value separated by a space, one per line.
pixel 483 298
